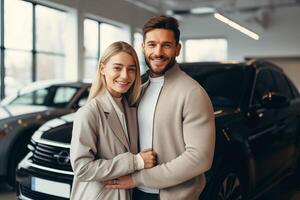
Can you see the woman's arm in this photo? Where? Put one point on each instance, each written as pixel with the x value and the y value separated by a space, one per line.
pixel 83 155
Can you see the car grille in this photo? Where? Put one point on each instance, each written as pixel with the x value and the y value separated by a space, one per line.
pixel 51 156
pixel 38 195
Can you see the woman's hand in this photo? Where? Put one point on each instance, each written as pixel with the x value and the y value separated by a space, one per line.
pixel 149 158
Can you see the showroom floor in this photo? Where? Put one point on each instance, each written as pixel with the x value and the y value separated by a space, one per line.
pixel 288 190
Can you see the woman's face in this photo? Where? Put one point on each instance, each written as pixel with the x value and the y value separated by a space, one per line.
pixel 119 73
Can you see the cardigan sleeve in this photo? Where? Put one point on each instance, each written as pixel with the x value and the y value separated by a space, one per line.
pixel 83 153
pixel 199 138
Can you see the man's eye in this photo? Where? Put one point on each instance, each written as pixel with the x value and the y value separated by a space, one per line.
pixel 151 45
pixel 117 68
pixel 167 46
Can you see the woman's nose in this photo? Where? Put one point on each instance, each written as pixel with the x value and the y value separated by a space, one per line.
pixel 124 73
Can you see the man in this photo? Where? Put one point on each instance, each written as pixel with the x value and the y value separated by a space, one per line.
pixel 175 118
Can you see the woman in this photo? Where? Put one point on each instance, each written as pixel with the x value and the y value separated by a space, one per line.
pixel 104 140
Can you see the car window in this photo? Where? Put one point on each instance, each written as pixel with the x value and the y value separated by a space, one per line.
pixel 36 97
pixel 264 83
pixel 293 88
pixel 82 99
pixel 63 95
pixel 282 85
pixel 224 87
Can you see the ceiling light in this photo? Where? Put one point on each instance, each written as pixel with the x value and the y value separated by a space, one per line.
pixel 202 10
pixel 236 26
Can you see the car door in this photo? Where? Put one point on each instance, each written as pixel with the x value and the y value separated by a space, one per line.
pixel 263 138
pixel 287 126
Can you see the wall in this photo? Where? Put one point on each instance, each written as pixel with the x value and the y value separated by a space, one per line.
pixel 280 39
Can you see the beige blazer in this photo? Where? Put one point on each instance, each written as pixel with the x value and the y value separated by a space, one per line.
pixel 183 137
pixel 100 149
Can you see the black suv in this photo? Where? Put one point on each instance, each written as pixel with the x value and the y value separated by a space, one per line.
pixel 257 111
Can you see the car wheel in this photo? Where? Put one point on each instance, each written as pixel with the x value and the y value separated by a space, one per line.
pixel 227 184
pixel 230 188
pixel 15 157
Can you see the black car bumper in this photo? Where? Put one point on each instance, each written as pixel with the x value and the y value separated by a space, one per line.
pixel 41 183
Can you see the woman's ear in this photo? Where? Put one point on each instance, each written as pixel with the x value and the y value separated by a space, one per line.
pixel 101 68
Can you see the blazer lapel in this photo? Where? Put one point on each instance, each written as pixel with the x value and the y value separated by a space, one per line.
pixel 132 127
pixel 113 119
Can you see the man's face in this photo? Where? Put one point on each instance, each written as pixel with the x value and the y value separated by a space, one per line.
pixel 160 50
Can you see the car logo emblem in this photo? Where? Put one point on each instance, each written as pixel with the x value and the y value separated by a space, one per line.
pixel 62 157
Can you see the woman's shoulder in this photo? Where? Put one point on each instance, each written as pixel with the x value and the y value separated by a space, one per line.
pixel 91 108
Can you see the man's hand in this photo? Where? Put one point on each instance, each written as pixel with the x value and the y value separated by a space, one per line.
pixel 123 182
pixel 149 157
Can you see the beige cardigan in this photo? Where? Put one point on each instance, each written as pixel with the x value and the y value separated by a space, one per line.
pixel 100 149
pixel 183 137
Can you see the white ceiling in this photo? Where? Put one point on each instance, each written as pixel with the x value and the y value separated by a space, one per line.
pixel 162 6
pixel 259 11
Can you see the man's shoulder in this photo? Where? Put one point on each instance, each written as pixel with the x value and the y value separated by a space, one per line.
pixel 186 81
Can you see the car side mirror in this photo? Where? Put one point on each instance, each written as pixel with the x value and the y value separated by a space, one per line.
pixel 274 100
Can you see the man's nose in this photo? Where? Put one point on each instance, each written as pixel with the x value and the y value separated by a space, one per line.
pixel 158 50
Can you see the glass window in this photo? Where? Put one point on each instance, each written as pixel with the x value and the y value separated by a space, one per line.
pixel 90 68
pixel 91 47
pixel 37 97
pixel 17 70
pixel 293 88
pixel 224 87
pixel 18 24
pixel 110 34
pixel 138 40
pixel 205 50
pixel 91 38
pixel 63 95
pixel 50 29
pixel 50 67
pixel 19 49
pixel 264 83
pixel 282 85
pixel 83 99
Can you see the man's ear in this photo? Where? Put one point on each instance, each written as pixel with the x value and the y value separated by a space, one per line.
pixel 178 48
pixel 143 47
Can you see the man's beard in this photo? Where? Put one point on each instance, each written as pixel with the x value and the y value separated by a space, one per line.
pixel 168 66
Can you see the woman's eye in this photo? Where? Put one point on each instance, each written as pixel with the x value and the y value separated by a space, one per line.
pixel 132 69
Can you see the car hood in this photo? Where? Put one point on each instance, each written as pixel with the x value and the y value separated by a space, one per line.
pixel 16 110
pixel 57 132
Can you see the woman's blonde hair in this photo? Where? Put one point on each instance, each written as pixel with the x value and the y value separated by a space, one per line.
pixel 99 83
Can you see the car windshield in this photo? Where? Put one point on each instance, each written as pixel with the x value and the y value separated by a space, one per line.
pixel 54 96
pixel 224 85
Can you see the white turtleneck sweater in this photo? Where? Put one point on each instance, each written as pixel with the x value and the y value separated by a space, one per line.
pixel 146 111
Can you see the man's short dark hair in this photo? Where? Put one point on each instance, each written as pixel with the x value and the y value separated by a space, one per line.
pixel 164 22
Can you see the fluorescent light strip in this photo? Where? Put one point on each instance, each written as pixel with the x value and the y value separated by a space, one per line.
pixel 143 5
pixel 202 10
pixel 236 26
